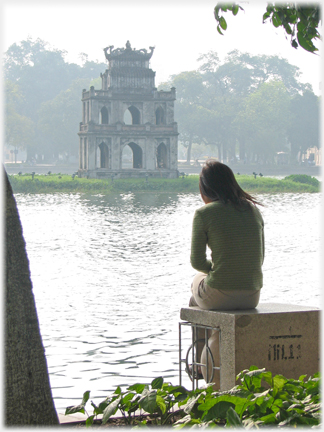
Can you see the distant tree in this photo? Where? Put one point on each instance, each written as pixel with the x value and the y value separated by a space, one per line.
pixel 300 21
pixel 59 120
pixel 216 105
pixel 189 118
pixel 189 86
pixel 304 128
pixel 227 87
pixel 28 397
pixel 19 130
pixel 42 73
pixel 264 121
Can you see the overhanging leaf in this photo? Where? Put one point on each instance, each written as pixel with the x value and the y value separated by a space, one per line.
pixel 276 20
pixel 305 43
pixel 223 23
pixel 235 9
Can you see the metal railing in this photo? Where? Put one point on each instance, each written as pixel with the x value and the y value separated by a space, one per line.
pixel 192 369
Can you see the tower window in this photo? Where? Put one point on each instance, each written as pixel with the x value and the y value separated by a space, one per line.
pixel 103 115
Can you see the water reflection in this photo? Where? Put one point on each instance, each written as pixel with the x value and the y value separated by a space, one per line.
pixel 111 273
pixel 140 202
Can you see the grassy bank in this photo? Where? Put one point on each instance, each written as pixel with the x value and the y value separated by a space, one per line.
pixel 28 183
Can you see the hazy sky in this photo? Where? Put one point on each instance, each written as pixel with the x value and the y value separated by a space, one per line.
pixel 179 30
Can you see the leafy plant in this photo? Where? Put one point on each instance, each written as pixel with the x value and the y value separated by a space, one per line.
pixel 157 399
pixel 260 400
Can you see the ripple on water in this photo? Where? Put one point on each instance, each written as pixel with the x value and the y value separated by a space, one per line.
pixel 111 273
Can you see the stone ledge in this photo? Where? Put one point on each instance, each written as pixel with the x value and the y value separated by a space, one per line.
pixel 282 338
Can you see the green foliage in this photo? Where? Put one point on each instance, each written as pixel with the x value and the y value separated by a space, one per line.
pixel 303 178
pixel 304 127
pixel 19 129
pixel 44 91
pixel 64 110
pixel 38 74
pixel 222 7
pixel 27 183
pixel 260 400
pixel 300 22
pixel 246 102
pixel 266 107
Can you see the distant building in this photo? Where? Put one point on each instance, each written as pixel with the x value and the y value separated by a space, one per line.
pixel 13 154
pixel 313 156
pixel 128 127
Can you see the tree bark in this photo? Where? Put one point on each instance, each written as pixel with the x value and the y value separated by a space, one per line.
pixel 189 150
pixel 28 396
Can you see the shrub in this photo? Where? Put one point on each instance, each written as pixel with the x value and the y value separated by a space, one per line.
pixel 261 400
pixel 303 178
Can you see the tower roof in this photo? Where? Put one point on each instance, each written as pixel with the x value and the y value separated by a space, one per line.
pixel 127 53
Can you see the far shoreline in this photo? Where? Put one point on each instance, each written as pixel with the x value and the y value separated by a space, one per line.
pixel 185 184
pixel 247 169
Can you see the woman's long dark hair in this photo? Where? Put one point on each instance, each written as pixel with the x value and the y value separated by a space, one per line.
pixel 217 182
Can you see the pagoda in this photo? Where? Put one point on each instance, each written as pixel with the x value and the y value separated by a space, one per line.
pixel 128 127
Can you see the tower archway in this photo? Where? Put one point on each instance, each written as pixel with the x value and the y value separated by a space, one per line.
pixel 161 156
pixel 133 159
pixel 102 156
pixel 132 115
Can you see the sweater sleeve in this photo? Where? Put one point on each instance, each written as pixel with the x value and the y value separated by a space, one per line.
pixel 199 238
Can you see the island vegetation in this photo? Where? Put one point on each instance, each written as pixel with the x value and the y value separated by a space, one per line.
pixel 54 183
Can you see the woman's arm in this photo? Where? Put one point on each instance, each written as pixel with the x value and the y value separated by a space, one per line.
pixel 198 257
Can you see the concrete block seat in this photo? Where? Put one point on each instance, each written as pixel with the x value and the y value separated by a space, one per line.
pixel 282 338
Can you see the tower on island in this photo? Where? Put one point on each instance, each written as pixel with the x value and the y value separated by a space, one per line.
pixel 128 127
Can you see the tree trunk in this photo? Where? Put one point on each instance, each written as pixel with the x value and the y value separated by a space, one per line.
pixel 242 148
pixel 28 397
pixel 189 151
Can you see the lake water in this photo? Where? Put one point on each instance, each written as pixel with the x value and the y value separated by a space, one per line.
pixel 110 275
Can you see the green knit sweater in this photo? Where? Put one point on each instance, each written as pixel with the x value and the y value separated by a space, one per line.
pixel 236 240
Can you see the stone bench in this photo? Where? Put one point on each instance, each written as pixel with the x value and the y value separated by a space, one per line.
pixel 282 338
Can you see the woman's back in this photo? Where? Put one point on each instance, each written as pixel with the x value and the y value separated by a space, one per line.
pixel 235 237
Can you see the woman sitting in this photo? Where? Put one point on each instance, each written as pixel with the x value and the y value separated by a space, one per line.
pixel 231 226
